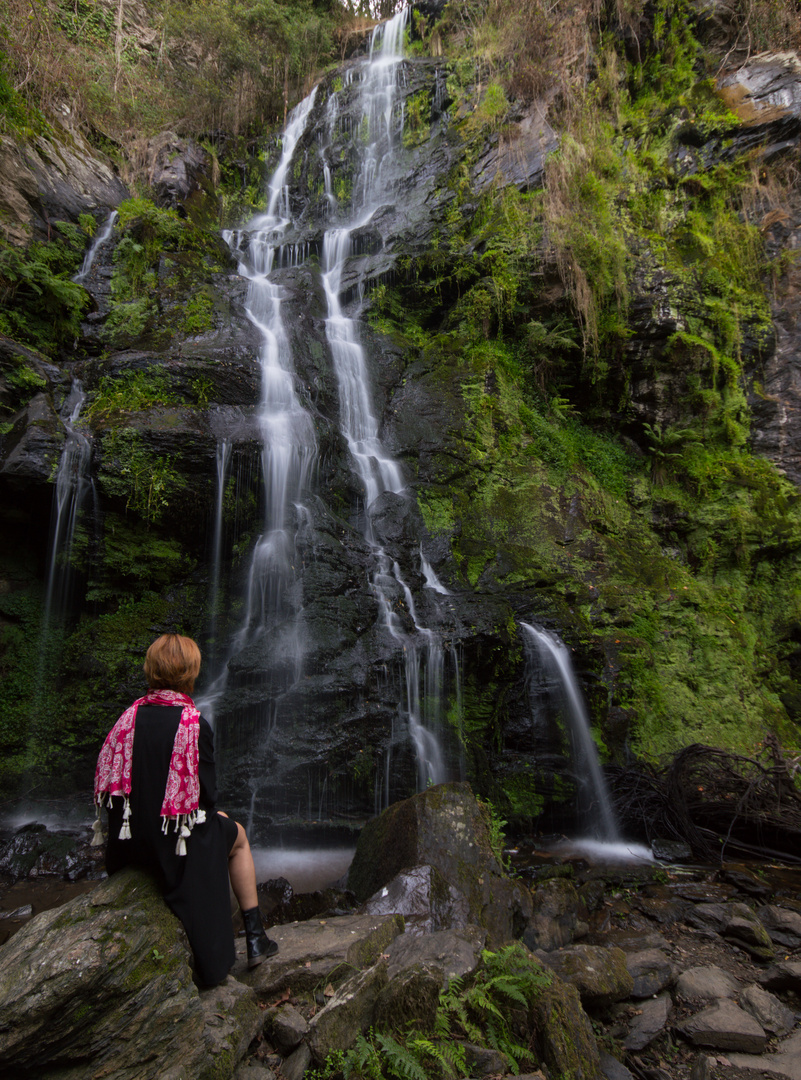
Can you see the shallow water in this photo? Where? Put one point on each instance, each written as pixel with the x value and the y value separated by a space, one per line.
pixel 307 869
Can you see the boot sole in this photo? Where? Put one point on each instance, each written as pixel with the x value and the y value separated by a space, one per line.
pixel 271 950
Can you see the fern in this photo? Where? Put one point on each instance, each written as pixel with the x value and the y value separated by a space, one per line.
pixel 401 1060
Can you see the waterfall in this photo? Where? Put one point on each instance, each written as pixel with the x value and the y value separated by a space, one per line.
pixel 286 431
pixel 73 483
pixel 224 447
pixel 95 246
pixel 377 471
pixel 553 656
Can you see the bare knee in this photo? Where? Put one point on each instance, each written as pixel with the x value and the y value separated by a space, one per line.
pixel 241 842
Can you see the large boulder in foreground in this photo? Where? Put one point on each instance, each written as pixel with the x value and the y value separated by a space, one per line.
pixel 102 987
pixel 444 827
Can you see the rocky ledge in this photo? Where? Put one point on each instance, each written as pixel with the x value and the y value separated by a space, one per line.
pixel 649 972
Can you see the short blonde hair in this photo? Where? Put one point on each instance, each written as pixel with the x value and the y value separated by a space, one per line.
pixel 172 663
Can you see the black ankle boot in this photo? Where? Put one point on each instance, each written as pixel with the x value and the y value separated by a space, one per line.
pixel 259 945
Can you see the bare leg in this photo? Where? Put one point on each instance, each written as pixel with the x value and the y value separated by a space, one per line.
pixel 241 870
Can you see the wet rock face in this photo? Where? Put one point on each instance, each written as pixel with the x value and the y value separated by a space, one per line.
pixel 50 180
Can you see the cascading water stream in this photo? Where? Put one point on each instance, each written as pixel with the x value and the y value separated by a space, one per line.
pixel 73 484
pixel 95 246
pixel 224 447
pixel 289 446
pixel 552 654
pixel 376 469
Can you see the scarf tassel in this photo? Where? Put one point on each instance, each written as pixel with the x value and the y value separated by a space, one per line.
pixel 97 830
pixel 125 831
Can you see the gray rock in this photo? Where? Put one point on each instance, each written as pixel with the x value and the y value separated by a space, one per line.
pixel 456 952
pixel 252 1071
pixel 319 951
pixel 709 917
pixel 784 1063
pixel 650 1022
pixel 725 1026
pixel 767 1010
pixel 293 1067
pixel 651 970
pixel 287 1028
pixel 33 446
pixel 422 893
pixel 350 1011
pixel 745 929
pixel 706 984
pixel 231 1021
pixel 783 926
pixel 599 974
pixel 785 975
pixel 612 1069
pixel 484 1062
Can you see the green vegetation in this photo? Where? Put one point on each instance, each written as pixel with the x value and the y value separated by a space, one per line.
pixel 491 1009
pixel 132 472
pixel 40 305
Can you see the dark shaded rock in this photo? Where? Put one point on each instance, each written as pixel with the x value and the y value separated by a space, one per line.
pixel 599 974
pixel 708 917
pixel 286 1028
pixel 612 1069
pixel 557 916
pixel 31 450
pixel 176 169
pixel 745 881
pixel 410 998
pixel 564 1039
pixel 350 1011
pixel 784 1062
pixel 34 851
pixel 785 975
pixel 445 828
pixel 744 929
pixel 671 850
pixel 649 1024
pixel 726 1027
pixel 651 970
pixel 783 926
pixel 423 895
pixel 293 1067
pixel 484 1062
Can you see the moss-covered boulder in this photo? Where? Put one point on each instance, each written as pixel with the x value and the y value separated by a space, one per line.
pixel 444 827
pixel 599 974
pixel 102 987
pixel 565 1041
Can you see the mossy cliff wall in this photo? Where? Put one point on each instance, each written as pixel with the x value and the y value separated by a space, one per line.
pixel 579 320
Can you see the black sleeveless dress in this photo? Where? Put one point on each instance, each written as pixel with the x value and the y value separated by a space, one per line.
pixel 195 885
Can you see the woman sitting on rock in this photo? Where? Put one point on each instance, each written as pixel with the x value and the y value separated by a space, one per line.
pixel 160 789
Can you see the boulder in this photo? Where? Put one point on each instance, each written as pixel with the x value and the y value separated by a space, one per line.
pixel 785 975
pixel 725 1026
pixel 706 984
pixel 455 952
pixel 557 916
pixel 350 1011
pixel 649 1022
pixel 286 1027
pixel 599 974
pixel 744 929
pixel 422 894
pixel 783 1064
pixel 783 926
pixel 410 998
pixel 443 827
pixel 102 985
pixel 767 1010
pixel 564 1037
pixel 315 953
pixel 231 1021
pixel 651 970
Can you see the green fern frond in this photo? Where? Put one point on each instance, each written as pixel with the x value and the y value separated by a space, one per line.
pixel 401 1061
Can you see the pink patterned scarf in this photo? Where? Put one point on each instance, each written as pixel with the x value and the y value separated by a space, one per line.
pixel 182 794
